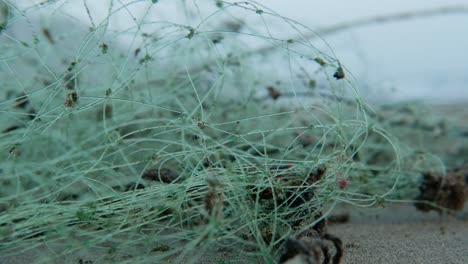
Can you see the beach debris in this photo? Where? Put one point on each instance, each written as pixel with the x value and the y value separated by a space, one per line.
pixel 339 74
pixel 306 248
pixel 273 92
pixel 163 175
pixel 104 48
pixel 48 36
pixel 443 192
pixel 310 241
pixel 105 113
pixel 71 99
pixel 214 197
pixel 11 129
pixel 21 101
pixel 306 251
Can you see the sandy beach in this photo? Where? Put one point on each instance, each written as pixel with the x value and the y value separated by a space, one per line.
pixel 400 234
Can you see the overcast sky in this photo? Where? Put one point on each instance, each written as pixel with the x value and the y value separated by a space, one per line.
pixel 423 58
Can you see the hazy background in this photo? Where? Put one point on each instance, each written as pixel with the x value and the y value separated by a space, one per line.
pixel 422 58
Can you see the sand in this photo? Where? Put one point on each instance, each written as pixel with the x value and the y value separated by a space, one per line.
pixel 400 234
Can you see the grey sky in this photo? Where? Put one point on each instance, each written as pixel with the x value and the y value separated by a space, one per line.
pixel 414 59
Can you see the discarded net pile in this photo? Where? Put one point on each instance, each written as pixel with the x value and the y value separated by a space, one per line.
pixel 170 141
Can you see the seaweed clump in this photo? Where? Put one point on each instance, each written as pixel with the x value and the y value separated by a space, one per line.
pixel 306 246
pixel 441 192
